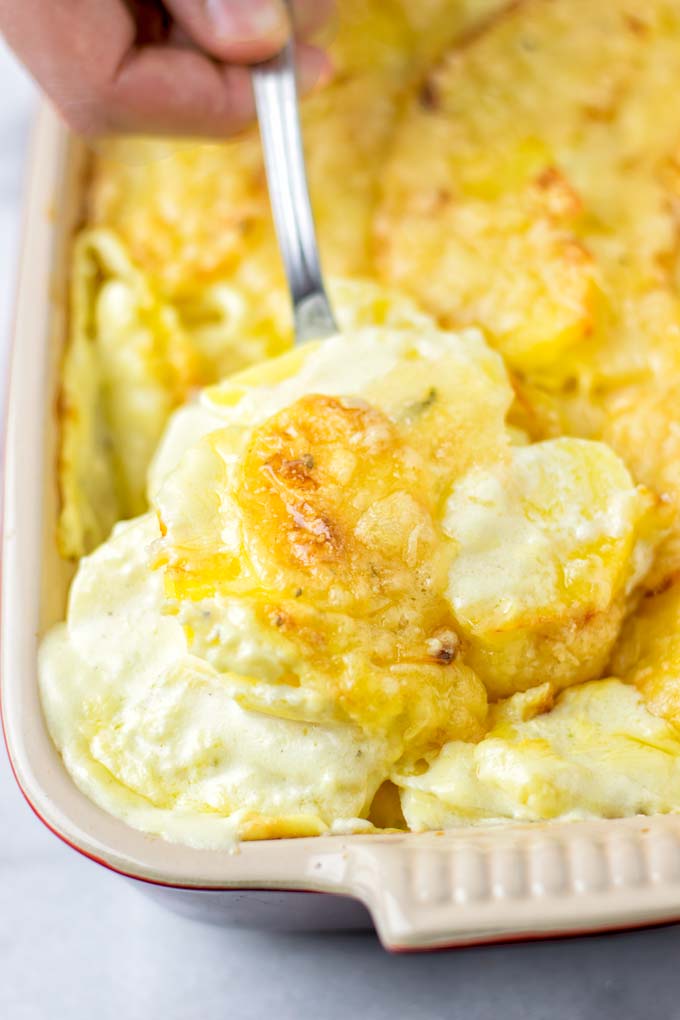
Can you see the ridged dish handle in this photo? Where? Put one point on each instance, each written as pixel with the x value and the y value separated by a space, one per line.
pixel 470 886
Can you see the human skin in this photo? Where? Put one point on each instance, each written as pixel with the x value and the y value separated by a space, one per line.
pixel 141 66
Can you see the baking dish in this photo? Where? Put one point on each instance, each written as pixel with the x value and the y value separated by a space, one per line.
pixel 420 891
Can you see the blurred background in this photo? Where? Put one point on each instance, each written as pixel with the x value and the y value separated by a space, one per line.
pixel 79 942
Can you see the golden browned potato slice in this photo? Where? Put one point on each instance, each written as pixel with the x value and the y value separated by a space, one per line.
pixel 532 189
pixel 311 510
pixel 550 546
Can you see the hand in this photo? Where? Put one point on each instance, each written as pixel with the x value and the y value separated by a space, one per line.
pixel 178 67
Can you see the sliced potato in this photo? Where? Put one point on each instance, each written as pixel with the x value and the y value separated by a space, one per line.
pixel 550 545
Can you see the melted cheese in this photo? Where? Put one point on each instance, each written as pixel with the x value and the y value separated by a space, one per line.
pixel 598 753
pixel 531 189
pixel 174 746
pixel 315 598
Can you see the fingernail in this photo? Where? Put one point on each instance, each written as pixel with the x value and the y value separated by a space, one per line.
pixel 314 69
pixel 247 20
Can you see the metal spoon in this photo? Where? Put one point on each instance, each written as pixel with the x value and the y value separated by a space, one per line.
pixel 276 99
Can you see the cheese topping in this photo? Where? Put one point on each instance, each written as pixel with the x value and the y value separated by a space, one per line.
pixel 346 557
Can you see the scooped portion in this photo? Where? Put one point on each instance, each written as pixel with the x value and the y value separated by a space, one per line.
pixel 348 554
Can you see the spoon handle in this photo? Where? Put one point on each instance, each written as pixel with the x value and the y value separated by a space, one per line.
pixel 276 99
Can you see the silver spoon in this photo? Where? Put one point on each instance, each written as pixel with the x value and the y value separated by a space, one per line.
pixel 276 99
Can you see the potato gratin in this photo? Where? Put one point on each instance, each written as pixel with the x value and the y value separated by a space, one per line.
pixel 426 573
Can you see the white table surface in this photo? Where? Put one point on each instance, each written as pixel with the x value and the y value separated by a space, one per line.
pixel 80 943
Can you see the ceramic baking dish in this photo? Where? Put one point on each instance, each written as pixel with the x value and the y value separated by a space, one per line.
pixel 420 891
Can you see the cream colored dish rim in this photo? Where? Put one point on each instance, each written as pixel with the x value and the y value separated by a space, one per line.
pixel 430 890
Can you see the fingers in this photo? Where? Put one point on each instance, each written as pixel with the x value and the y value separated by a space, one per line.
pixel 246 31
pixel 238 31
pixel 164 91
pixel 86 56
pixel 176 91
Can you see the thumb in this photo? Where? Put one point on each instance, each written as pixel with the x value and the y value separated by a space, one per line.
pixel 235 31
